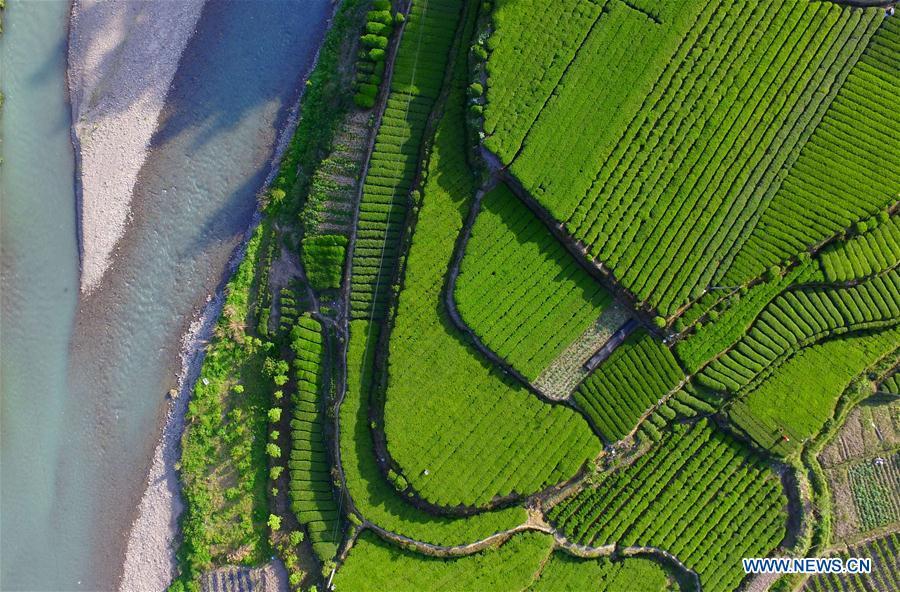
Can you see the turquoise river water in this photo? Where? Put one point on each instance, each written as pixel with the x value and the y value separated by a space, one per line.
pixel 83 380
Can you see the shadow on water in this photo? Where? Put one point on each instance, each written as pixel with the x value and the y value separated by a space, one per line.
pixel 194 199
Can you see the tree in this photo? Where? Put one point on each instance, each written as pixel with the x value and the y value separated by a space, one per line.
pixel 660 322
pixel 274 522
pixel 275 414
pixel 273 450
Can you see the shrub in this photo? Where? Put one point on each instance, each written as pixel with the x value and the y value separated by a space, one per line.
pixel 368 89
pixel 475 89
pixel 274 522
pixel 380 16
pixel 660 322
pixel 364 101
pixel 377 28
pixel 273 450
pixel 377 41
pixel 275 472
pixel 376 55
pixel 275 414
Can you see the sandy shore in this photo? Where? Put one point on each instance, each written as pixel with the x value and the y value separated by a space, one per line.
pixel 150 555
pixel 122 57
pixel 150 562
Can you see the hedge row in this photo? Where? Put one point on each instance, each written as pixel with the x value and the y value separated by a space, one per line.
pixel 519 289
pixel 698 494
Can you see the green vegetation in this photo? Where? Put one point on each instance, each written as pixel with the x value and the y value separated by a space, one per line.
pixel 223 459
pixel 565 572
pixel 374 42
pixel 698 494
pixel 885 569
pixel 532 43
pixel 690 149
pixel 891 384
pixel 519 290
pixel 873 251
pixel 731 323
pixel 794 403
pixel 311 488
pixel 636 375
pixel 859 128
pixel 325 101
pixel 418 73
pixel 461 431
pixel 376 565
pixel 684 156
pixel 875 488
pixel 323 258
pixel 376 498
pixel 798 318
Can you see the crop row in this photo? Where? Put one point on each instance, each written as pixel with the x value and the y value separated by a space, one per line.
pixel 686 403
pixel 374 564
pixel 800 395
pixel 519 290
pixel 635 376
pixel 376 498
pixel 868 253
pixel 460 431
pixel 667 207
pixel 800 317
pixel 531 45
pixel 311 488
pixel 604 85
pixel 891 384
pixel 875 490
pixel 698 494
pixel 859 128
pixel 730 324
pixel 419 69
pixel 885 576
pixel 565 572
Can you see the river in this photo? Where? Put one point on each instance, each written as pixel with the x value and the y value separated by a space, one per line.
pixel 84 380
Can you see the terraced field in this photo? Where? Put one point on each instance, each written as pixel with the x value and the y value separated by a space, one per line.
pixel 685 155
pixel 519 290
pixel 698 494
pixel 637 375
pixel 623 309
pixel 443 445
pixel 417 76
pixel 885 574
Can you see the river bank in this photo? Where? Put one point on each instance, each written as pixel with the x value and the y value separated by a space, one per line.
pixel 122 57
pixel 184 134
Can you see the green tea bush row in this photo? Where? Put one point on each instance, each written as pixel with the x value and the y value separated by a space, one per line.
pixel 798 398
pixel 800 317
pixel 461 432
pixel 419 69
pixel 839 178
pixel 870 252
pixel 697 494
pixel 311 485
pixel 519 289
pixel 636 375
